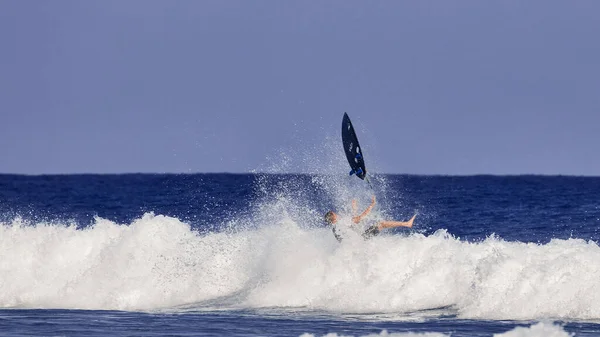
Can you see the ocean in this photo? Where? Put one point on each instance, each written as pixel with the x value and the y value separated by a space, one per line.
pixel 250 255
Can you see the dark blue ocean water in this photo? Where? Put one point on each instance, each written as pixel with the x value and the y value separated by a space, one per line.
pixel 249 255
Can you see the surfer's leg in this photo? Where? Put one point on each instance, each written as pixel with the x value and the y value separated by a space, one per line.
pixel 375 229
pixel 392 224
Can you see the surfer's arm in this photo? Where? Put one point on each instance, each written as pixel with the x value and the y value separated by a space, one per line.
pixel 357 219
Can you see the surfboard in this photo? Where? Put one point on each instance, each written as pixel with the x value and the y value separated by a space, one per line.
pixel 352 149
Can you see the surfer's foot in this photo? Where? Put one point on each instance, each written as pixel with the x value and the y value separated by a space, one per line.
pixel 410 222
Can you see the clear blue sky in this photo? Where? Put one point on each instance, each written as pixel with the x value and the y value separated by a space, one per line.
pixel 435 87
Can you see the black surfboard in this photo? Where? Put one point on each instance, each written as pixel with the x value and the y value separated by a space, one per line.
pixel 352 149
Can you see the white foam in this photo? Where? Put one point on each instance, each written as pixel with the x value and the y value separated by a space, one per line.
pixel 159 262
pixel 154 262
pixel 540 329
pixel 384 333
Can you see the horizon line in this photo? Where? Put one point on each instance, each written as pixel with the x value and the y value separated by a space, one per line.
pixel 299 173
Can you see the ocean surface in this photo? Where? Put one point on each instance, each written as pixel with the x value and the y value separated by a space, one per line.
pixel 250 255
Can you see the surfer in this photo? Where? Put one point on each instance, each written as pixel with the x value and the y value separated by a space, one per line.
pixel 332 219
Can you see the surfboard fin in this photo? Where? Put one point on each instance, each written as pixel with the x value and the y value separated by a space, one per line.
pixel 369 181
pixel 351 172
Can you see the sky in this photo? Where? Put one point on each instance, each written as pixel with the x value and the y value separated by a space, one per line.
pixel 432 87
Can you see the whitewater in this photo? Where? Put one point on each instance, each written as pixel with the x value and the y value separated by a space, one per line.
pixel 158 262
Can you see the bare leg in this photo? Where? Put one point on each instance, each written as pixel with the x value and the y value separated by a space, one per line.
pixel 392 224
